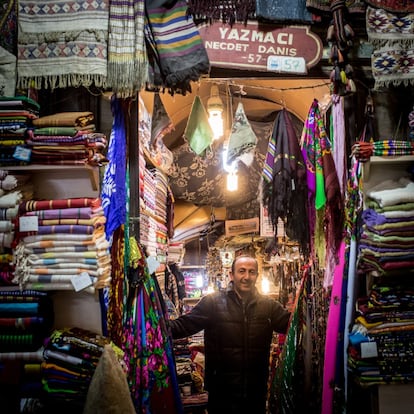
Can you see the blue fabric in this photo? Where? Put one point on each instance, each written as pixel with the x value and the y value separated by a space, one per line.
pixel 114 191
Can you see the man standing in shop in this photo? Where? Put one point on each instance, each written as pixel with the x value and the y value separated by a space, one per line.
pixel 238 326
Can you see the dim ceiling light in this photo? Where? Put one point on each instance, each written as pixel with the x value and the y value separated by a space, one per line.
pixel 215 110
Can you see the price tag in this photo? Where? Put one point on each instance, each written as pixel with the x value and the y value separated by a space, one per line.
pixel 369 350
pixel 22 154
pixel 286 64
pixel 81 282
pixel 28 223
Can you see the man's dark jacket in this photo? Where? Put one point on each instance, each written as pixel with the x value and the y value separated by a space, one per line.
pixel 237 338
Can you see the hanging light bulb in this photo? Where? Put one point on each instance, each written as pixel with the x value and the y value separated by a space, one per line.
pixel 232 181
pixel 215 110
pixel 265 285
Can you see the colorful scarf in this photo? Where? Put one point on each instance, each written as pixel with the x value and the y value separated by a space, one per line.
pixel 127 54
pixel 148 348
pixel 176 50
pixel 62 44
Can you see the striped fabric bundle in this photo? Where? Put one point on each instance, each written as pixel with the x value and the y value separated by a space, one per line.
pixel 177 51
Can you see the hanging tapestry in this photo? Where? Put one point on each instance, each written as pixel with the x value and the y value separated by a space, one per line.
pixel 127 55
pixel 399 6
pixel 62 44
pixel 392 36
pixel 175 48
pixel 242 138
pixel 198 131
pixel 228 11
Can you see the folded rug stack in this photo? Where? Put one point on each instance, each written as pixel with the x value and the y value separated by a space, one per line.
pixel 66 138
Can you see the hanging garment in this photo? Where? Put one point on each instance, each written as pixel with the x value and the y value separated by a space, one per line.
pixel 175 48
pixel 198 131
pixel 285 196
pixel 60 46
pixel 242 138
pixel 127 55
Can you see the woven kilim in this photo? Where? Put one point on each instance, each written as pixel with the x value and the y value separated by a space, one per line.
pixel 392 36
pixel 62 43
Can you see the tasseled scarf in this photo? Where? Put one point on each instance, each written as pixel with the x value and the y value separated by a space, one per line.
pixel 284 182
pixel 229 11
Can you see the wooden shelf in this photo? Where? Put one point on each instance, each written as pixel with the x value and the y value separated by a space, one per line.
pixel 93 171
pixel 399 161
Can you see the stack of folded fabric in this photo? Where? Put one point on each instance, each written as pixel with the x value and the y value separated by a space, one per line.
pixel 70 359
pixel 67 249
pixel 26 319
pixel 66 138
pixel 13 189
pixel 153 221
pixel 16 115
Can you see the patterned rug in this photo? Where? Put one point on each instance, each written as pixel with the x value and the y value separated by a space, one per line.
pixel 392 36
pixel 62 43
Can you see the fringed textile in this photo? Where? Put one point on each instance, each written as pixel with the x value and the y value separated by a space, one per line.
pixel 353 6
pixel 285 196
pixel 364 150
pixel 228 11
pixel 175 48
pixel 118 287
pixel 398 6
pixel 62 44
pixel 392 36
pixel 127 54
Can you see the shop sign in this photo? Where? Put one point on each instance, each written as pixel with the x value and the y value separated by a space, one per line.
pixel 262 47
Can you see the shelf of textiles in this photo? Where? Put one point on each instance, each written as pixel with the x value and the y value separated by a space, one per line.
pixel 63 138
pixel 51 243
pixel 54 369
pixel 381 341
